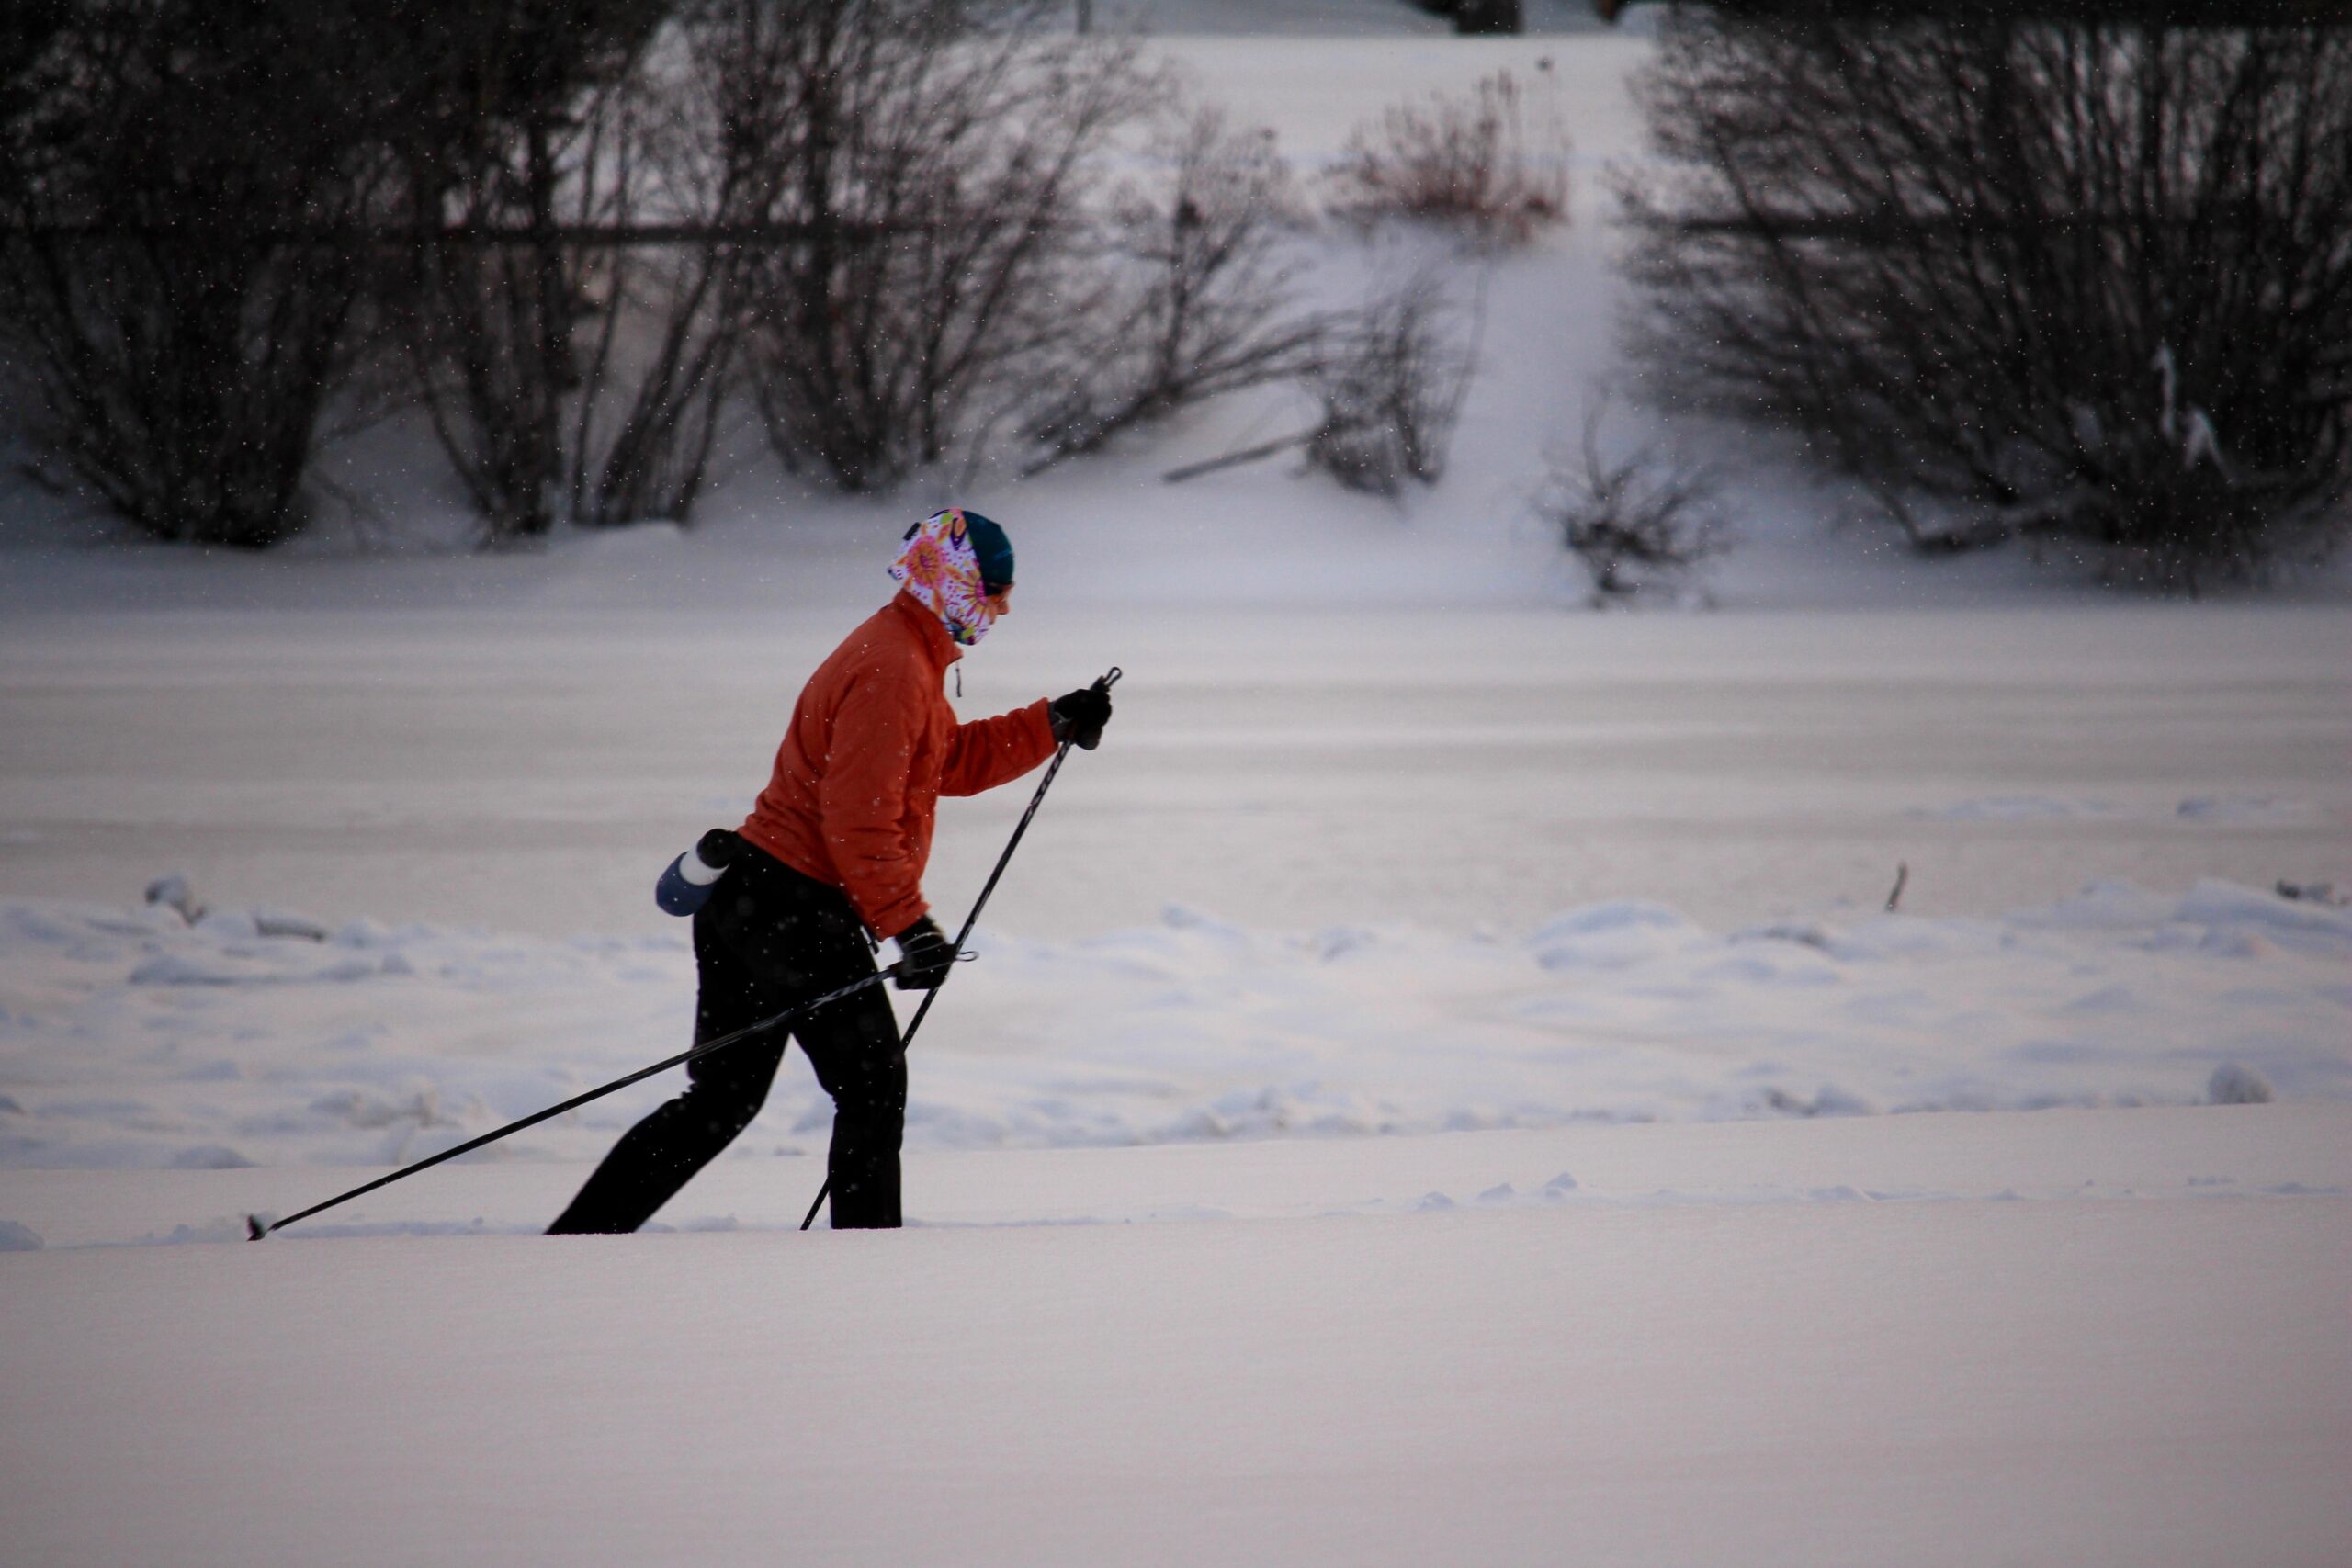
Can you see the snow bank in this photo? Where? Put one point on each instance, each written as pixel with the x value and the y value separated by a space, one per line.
pixel 129 1037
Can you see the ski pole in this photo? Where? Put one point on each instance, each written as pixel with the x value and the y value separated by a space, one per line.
pixel 255 1230
pixel 1061 754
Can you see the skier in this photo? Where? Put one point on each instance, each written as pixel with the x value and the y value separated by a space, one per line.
pixel 791 904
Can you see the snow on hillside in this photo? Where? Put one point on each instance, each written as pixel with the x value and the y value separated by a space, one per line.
pixel 1267 532
pixel 1107 527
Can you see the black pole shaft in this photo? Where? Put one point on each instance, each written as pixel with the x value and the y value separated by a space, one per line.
pixel 1061 755
pixel 257 1230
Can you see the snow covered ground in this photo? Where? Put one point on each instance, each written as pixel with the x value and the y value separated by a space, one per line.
pixel 529 763
pixel 1341 872
pixel 1440 1085
pixel 1422 879
pixel 2087 1338
pixel 128 1038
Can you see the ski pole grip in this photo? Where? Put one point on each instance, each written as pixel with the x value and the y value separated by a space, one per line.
pixel 899 971
pixel 1087 740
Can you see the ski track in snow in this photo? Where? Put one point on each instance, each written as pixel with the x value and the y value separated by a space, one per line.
pixel 1582 1173
pixel 228 1229
pixel 132 1039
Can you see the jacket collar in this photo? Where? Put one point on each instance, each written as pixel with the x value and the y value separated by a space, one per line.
pixel 942 648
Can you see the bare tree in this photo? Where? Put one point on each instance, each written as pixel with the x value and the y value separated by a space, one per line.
pixel 1198 302
pixel 934 160
pixel 2089 280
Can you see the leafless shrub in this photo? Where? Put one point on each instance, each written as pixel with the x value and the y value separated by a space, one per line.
pixel 1391 385
pixel 1199 302
pixel 574 368
pixel 652 388
pixel 1641 523
pixel 1475 16
pixel 493 343
pixel 2087 280
pixel 1472 18
pixel 176 331
pixel 936 160
pixel 1470 163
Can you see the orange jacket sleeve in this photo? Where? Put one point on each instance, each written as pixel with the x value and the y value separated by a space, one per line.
pixel 862 801
pixel 991 751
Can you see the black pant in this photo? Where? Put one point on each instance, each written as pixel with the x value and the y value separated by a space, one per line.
pixel 768 940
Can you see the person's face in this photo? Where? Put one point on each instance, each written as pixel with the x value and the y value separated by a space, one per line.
pixel 1000 602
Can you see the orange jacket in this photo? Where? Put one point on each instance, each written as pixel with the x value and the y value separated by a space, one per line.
pixel 871 748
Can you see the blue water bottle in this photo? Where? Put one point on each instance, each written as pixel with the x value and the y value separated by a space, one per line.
pixel 685 886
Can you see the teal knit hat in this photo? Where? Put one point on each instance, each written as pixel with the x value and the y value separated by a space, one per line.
pixel 993 550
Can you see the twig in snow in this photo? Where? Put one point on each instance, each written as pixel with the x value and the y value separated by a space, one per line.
pixel 1234 459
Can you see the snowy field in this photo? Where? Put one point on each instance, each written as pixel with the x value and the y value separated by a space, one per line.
pixel 1440 1085
pixel 127 1039
pixel 1532 869
pixel 2111 1337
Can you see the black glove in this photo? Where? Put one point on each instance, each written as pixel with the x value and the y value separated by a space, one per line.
pixel 1079 717
pixel 716 848
pixel 924 957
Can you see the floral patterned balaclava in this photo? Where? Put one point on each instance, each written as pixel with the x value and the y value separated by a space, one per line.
pixel 941 566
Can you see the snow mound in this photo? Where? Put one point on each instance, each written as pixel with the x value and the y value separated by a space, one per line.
pixel 2247 809
pixel 131 1038
pixel 1614 935
pixel 2225 904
